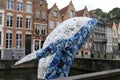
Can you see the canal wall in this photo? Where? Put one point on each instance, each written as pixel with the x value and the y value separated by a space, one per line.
pixel 110 70
pixel 95 65
pixel 104 75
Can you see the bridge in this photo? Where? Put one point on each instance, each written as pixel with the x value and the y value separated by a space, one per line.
pixel 93 67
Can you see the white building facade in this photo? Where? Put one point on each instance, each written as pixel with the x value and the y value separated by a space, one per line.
pixel 1 32
pixel 119 37
pixel 109 44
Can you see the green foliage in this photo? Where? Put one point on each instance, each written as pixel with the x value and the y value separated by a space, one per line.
pixel 114 15
pixel 111 16
pixel 100 13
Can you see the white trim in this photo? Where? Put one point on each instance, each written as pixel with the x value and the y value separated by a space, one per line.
pixel 19 0
pixel 29 2
pixel 19 15
pixel 8 31
pixel 2 25
pixel 28 32
pixel 41 23
pixel 19 32
pixel 33 49
pixel 2 11
pixel 28 16
pixel 10 14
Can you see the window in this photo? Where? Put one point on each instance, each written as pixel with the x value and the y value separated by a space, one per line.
pixel 37 44
pixel 9 21
pixel 43 15
pixel 42 42
pixel 28 23
pixel 41 2
pixel 55 14
pixel 1 18
pixel 37 14
pixel 0 37
pixel 0 54
pixel 37 28
pixel 1 3
pixel 51 25
pixel 8 40
pixel 71 14
pixel 10 4
pixel 18 41
pixel 19 22
pixel 29 8
pixel 95 46
pixel 43 30
pixel 19 6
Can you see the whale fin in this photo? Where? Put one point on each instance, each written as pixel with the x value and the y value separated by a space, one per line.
pixel 27 58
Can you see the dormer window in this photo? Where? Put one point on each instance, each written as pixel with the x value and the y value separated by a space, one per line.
pixel 55 14
pixel 41 2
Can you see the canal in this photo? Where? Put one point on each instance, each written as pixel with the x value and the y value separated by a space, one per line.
pixel 29 73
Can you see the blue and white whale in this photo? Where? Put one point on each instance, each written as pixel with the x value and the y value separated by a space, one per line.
pixel 60 47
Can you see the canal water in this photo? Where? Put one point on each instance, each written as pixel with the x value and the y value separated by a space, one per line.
pixel 29 74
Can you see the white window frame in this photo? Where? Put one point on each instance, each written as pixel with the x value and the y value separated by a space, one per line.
pixel 37 45
pixel 0 38
pixel 37 14
pixel 51 24
pixel 37 29
pixel 1 14
pixel 8 40
pixel 19 6
pixel 9 21
pixel 19 22
pixel 28 8
pixel 43 15
pixel 18 41
pixel 55 13
pixel 10 4
pixel 28 23
pixel 41 2
pixel 43 29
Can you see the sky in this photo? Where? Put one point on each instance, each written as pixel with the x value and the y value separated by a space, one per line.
pixel 105 5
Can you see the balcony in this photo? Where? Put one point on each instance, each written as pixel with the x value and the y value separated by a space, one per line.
pixel 100 40
pixel 98 31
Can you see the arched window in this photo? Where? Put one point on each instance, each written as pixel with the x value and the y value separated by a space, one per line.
pixel 29 7
pixel 9 39
pixel 71 14
pixel 55 14
pixel 9 20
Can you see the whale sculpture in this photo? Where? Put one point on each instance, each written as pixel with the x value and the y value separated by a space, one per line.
pixel 60 47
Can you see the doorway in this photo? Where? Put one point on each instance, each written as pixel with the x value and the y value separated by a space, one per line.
pixel 27 44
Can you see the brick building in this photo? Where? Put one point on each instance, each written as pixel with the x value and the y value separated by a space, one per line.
pixel 26 23
pixel 17 28
pixel 85 51
pixel 40 20
pixel 54 18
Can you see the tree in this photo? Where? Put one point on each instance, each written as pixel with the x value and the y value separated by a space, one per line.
pixel 114 15
pixel 111 16
pixel 100 13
